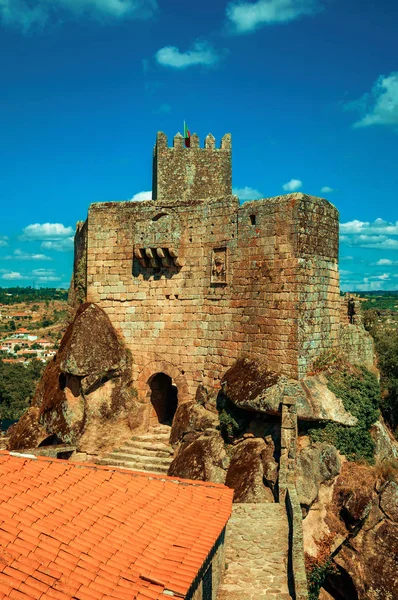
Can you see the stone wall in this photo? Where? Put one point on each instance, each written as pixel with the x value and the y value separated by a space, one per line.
pixel 78 287
pixel 206 585
pixel 319 287
pixel 193 281
pixel 191 173
pixel 191 286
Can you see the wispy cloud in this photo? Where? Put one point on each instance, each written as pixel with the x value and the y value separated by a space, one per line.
pixel 14 276
pixel 245 17
pixel 380 105
pixel 141 196
pixel 63 245
pixel 3 240
pixel 292 185
pixel 21 255
pixel 386 262
pixel 45 275
pixel 247 193
pixel 202 53
pixel 30 14
pixel 46 231
pixel 326 189
pixel 378 234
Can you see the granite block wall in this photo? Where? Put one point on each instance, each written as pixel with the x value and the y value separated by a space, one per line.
pixel 193 280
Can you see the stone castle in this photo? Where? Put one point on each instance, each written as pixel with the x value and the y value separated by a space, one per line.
pixel 194 310
pixel 192 280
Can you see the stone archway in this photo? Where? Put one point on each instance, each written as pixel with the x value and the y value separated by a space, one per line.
pixel 164 398
pixel 162 387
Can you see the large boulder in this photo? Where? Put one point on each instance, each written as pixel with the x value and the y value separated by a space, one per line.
pixel 253 472
pixel 27 433
pixel 250 385
pixel 85 396
pixel 204 459
pixel 370 559
pixel 386 447
pixel 190 421
pixel 316 464
pixel 361 523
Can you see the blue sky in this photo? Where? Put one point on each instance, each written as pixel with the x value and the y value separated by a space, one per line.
pixel 308 89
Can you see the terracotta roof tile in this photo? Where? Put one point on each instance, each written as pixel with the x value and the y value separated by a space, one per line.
pixel 73 530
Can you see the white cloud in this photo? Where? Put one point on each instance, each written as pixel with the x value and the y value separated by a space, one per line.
pixel 247 193
pixel 28 14
pixel 244 17
pixel 21 255
pixel 45 275
pixel 46 231
pixel 141 196
pixel 386 261
pixel 292 185
pixel 14 276
pixel 43 272
pixel 63 245
pixel 346 258
pixel 380 106
pixel 326 190
pixel 377 234
pixel 3 238
pixel 201 54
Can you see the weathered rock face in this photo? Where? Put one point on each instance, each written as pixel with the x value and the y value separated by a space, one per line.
pixel 190 420
pixel 27 433
pixel 204 459
pixel 362 520
pixel 251 386
pixel 247 385
pixel 253 472
pixel 315 464
pixel 385 445
pixel 85 396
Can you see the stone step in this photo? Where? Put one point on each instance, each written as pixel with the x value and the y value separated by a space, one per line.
pixel 139 450
pixel 148 437
pixel 155 460
pixel 128 464
pixel 147 446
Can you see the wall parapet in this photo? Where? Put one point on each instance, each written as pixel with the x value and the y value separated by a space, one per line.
pixel 162 142
pixel 288 494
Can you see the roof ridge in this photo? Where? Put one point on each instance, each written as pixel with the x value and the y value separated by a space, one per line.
pixel 93 466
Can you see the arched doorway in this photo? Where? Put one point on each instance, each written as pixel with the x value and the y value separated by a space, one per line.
pixel 164 398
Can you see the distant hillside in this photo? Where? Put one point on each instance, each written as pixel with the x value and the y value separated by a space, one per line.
pixel 15 295
pixel 380 300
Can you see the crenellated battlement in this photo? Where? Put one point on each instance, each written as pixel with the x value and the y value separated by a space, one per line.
pixel 178 142
pixel 191 173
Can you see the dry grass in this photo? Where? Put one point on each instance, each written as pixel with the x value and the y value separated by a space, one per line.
pixel 386 470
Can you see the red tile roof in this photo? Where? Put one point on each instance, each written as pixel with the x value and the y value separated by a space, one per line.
pixel 74 530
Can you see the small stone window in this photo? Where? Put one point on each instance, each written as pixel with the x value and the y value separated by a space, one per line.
pixel 252 219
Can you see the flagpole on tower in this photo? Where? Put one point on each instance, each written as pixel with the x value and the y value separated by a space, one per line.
pixel 187 136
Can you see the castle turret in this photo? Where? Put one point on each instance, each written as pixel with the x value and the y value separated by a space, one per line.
pixel 193 173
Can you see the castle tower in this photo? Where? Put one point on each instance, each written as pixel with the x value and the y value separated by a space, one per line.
pixel 194 173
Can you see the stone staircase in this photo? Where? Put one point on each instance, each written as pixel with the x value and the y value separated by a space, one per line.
pixel 256 554
pixel 144 452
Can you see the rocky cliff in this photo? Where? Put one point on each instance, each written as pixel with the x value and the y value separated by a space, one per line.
pixel 85 397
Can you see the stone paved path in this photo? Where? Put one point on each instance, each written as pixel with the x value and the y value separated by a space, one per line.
pixel 256 551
